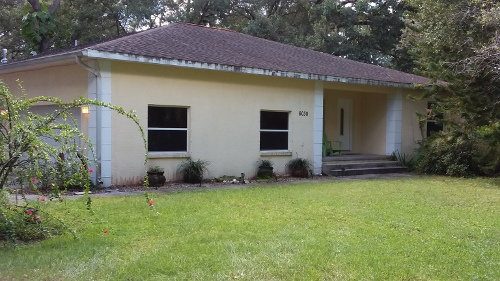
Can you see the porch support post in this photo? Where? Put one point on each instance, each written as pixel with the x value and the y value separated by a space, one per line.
pixel 318 127
pixel 394 122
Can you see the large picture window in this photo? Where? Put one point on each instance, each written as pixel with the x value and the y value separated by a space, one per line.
pixel 273 130
pixel 167 129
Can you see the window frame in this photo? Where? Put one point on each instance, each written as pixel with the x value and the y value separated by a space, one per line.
pixel 432 119
pixel 179 153
pixel 287 131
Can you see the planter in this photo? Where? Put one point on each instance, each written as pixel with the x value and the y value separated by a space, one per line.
pixel 300 173
pixel 192 177
pixel 265 172
pixel 156 179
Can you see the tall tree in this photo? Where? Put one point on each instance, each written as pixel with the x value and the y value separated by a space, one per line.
pixel 38 24
pixel 457 41
pixel 363 30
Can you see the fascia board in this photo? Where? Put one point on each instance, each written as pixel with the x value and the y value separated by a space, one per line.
pixel 35 63
pixel 239 69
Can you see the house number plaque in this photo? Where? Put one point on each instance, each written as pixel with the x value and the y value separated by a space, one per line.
pixel 303 113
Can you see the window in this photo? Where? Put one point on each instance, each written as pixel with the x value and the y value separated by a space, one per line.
pixel 273 130
pixel 167 129
pixel 432 125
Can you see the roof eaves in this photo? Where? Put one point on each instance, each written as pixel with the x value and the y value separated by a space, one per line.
pixel 240 69
pixel 35 61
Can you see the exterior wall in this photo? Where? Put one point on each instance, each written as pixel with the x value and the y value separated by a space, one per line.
pixel 224 118
pixel 368 119
pixel 411 133
pixel 67 82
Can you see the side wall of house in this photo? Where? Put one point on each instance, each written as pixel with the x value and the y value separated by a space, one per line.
pixel 411 129
pixel 67 82
pixel 223 118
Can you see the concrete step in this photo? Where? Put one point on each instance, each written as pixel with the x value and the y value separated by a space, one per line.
pixel 365 171
pixel 356 157
pixel 358 164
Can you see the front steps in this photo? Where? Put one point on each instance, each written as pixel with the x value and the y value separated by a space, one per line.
pixel 360 164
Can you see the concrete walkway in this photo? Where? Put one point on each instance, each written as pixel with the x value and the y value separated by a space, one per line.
pixel 212 186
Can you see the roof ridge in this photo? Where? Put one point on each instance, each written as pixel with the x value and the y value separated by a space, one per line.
pixel 204 26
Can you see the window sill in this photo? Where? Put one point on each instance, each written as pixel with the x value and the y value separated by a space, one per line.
pixel 276 153
pixel 154 155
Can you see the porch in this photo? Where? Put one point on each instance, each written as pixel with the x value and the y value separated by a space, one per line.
pixel 350 164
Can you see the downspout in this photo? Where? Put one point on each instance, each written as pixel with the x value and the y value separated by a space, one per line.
pixel 97 146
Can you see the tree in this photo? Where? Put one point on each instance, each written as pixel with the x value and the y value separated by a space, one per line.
pixel 38 24
pixel 10 20
pixel 457 41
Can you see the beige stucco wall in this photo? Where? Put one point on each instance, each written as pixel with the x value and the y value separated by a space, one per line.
pixel 224 117
pixel 411 133
pixel 368 119
pixel 67 81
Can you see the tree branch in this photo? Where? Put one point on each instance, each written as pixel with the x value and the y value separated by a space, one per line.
pixel 54 6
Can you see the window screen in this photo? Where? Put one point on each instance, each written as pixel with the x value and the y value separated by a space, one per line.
pixel 167 129
pixel 273 130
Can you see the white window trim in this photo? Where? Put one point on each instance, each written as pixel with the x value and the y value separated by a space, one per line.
pixel 277 152
pixel 171 154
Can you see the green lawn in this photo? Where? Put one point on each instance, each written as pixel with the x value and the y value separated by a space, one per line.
pixel 428 228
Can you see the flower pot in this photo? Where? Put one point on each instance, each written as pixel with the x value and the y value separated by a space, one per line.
pixel 300 173
pixel 265 172
pixel 156 179
pixel 192 177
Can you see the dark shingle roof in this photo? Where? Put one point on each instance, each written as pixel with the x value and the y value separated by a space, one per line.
pixel 180 41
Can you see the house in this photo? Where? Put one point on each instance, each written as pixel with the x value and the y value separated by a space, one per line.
pixel 225 97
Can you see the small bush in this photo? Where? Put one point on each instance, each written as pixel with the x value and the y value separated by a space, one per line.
pixel 409 161
pixel 4 198
pixel 299 167
pixel 265 169
pixel 30 224
pixel 192 171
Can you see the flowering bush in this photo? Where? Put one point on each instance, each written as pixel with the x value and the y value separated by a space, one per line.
pixel 28 160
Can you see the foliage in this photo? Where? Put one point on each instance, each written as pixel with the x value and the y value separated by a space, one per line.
pixel 265 163
pixel 4 197
pixel 461 154
pixel 405 160
pixel 156 169
pixel 299 165
pixel 28 224
pixel 265 169
pixel 457 41
pixel 367 30
pixel 27 159
pixel 38 25
pixel 192 170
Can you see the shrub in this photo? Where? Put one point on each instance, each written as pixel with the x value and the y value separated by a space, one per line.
pixel 450 153
pixel 192 171
pixel 265 169
pixel 406 160
pixel 299 167
pixel 28 224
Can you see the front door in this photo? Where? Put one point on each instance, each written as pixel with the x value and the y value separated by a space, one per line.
pixel 345 123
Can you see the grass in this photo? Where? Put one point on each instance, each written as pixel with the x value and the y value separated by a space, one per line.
pixel 428 228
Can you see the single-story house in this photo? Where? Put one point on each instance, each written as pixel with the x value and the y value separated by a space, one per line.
pixel 222 96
